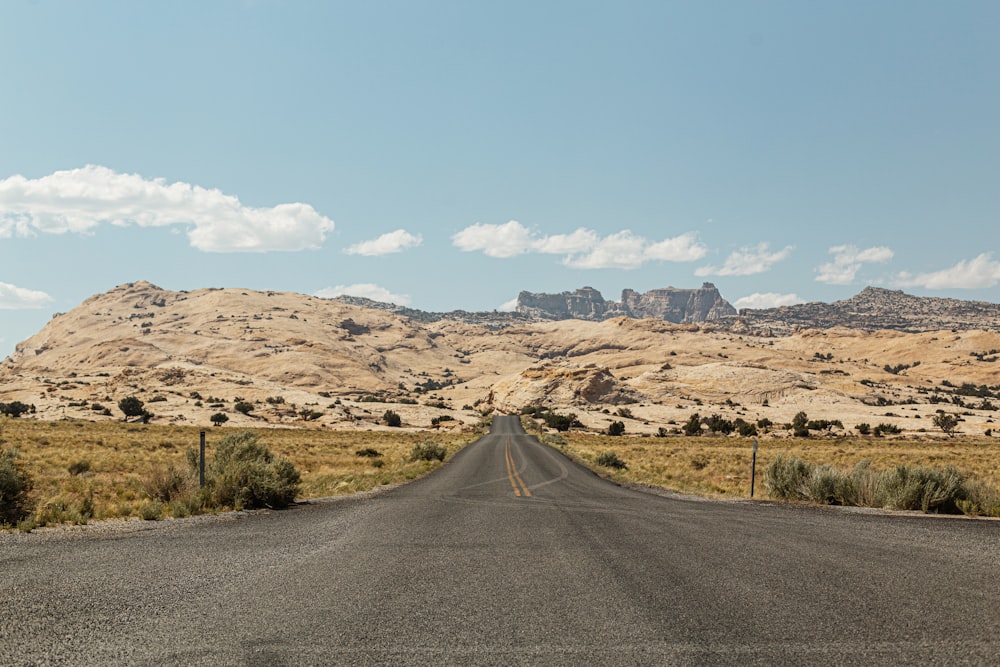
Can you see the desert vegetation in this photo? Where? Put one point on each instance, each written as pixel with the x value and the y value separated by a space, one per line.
pixel 958 475
pixel 75 471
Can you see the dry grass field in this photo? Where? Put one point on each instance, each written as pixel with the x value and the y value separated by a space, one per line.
pixel 103 470
pixel 85 470
pixel 721 466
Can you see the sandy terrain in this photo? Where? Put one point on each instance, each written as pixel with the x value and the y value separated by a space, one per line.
pixel 330 359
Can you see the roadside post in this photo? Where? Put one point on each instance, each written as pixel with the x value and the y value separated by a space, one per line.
pixel 753 466
pixel 201 463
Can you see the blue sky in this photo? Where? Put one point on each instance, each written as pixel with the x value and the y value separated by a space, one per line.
pixel 450 154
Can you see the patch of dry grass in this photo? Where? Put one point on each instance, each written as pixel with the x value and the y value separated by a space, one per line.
pixel 119 461
pixel 720 467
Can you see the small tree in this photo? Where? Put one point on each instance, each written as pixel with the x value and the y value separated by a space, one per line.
pixel 616 428
pixel 131 407
pixel 219 418
pixel 946 422
pixel 800 428
pixel 244 407
pixel 693 425
pixel 392 419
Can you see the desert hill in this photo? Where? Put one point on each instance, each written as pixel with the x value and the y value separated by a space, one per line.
pixel 308 361
pixel 872 309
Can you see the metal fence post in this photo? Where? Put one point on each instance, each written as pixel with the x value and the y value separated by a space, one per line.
pixel 201 463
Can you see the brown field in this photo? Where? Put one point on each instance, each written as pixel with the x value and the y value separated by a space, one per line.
pixel 124 457
pixel 720 466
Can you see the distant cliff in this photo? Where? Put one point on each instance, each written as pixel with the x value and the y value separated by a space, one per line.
pixel 872 309
pixel 680 306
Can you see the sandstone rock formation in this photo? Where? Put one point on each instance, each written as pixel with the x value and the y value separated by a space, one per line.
pixel 191 354
pixel 680 306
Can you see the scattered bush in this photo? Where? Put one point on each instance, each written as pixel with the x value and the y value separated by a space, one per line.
pixel 903 487
pixel 616 428
pixel 369 452
pixel 15 484
pixel 428 451
pixel 625 413
pixel 131 407
pixel 611 460
pixel 946 422
pixel 219 418
pixel 884 428
pixel 245 475
pixel 79 467
pixel 392 419
pixel 693 425
pixel 864 428
pixel 800 425
pixel 151 511
pixel 244 407
pixel 15 409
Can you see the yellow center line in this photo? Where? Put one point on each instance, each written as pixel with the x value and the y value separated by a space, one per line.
pixel 513 475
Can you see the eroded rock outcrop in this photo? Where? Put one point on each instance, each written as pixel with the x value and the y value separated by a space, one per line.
pixel 680 306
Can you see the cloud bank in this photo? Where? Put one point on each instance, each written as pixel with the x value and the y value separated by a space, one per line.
pixel 581 249
pixel 13 297
pixel 78 200
pixel 365 290
pixel 982 271
pixel 761 300
pixel 387 244
pixel 848 260
pixel 747 261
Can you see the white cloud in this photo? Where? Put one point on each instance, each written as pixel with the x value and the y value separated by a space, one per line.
pixel 767 300
pixel 848 260
pixel 747 261
pixel 508 306
pixel 507 240
pixel 982 271
pixel 13 297
pixel 78 200
pixel 387 244
pixel 581 249
pixel 365 290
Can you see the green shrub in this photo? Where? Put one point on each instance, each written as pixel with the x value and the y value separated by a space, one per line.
pixel 244 407
pixel 787 478
pixel 219 418
pixel 15 484
pixel 15 409
pixel 245 475
pixel 392 419
pixel 151 511
pixel 369 452
pixel 693 425
pixel 611 460
pixel 169 484
pixel 902 487
pixel 616 428
pixel 864 428
pixel 428 451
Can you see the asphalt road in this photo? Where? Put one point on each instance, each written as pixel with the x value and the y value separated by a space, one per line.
pixel 510 554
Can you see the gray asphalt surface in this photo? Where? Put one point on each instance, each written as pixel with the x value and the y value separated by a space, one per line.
pixel 510 554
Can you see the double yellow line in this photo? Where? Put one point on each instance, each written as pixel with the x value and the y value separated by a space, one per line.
pixel 520 488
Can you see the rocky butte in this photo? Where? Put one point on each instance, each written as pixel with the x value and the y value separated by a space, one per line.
pixel 671 304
